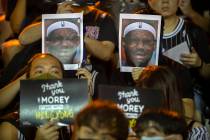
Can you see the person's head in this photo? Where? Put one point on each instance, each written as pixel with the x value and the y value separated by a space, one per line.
pixel 77 6
pixel 44 66
pixel 161 125
pixel 164 79
pixel 101 120
pixel 139 43
pixel 166 8
pixel 62 40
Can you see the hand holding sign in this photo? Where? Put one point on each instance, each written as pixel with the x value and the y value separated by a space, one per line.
pixel 48 131
pixel 192 59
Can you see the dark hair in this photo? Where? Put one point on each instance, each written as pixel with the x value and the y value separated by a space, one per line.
pixel 162 78
pixel 26 69
pixel 38 55
pixel 168 122
pixel 107 115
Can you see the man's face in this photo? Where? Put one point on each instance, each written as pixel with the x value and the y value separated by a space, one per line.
pixel 45 65
pixel 139 46
pixel 63 43
pixel 164 7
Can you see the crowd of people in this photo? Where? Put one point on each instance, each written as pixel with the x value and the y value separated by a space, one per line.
pixel 184 84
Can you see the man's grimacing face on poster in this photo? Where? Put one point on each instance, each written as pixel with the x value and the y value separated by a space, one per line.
pixel 139 44
pixel 63 42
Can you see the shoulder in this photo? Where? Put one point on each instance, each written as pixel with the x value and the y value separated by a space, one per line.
pixel 197 125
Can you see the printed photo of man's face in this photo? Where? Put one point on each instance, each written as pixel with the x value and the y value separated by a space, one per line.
pixel 63 41
pixel 139 44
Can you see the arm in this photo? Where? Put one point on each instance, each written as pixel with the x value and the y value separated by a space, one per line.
pixel 8 93
pixel 31 33
pixel 101 49
pixel 189 109
pixel 186 8
pixel 20 12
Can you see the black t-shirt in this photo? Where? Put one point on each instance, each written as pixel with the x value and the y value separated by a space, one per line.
pixel 100 26
pixel 194 37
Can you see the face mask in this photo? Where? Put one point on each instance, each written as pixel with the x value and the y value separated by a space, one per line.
pixel 152 138
pixel 44 76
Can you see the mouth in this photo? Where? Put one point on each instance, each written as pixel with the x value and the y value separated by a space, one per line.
pixel 165 8
pixel 139 56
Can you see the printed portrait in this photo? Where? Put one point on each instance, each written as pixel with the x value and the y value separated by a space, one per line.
pixel 139 41
pixel 62 38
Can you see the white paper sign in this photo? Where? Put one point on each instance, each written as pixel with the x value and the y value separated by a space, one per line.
pixel 176 51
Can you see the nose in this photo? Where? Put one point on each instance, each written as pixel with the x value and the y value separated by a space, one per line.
pixel 140 44
pixel 64 43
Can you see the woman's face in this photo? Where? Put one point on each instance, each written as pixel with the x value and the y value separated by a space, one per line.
pixel 166 8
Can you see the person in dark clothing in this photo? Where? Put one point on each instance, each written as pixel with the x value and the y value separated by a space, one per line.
pixel 100 43
pixel 37 67
pixel 193 65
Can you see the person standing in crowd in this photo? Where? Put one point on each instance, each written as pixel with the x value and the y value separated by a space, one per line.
pixel 164 79
pixel 100 43
pixel 101 120
pixel 40 66
pixel 161 125
pixel 139 43
pixel 195 65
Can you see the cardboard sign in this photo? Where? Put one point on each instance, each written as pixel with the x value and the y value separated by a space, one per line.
pixel 132 100
pixel 44 100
